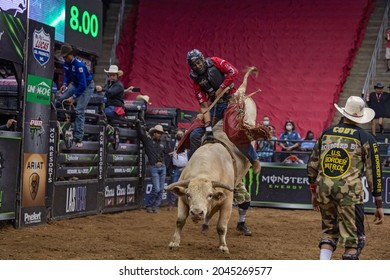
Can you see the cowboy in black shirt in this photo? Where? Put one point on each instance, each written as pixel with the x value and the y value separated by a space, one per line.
pixel 155 151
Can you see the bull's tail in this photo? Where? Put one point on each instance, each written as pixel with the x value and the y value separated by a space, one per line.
pixel 249 70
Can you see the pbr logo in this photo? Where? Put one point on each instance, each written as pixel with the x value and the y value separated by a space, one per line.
pixel 41 46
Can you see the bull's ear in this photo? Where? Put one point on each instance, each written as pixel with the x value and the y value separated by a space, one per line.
pixel 178 188
pixel 216 184
pixel 219 196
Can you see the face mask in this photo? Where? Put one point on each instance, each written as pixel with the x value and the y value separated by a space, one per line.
pixel 178 137
pixel 266 123
pixel 288 127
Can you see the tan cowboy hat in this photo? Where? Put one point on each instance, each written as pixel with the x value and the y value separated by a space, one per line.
pixel 356 111
pixel 114 70
pixel 66 50
pixel 156 128
pixel 145 98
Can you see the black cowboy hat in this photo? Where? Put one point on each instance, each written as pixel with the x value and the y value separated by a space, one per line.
pixel 66 50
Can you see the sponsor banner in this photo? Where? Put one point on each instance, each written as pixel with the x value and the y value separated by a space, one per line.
pixel 12 37
pixel 77 198
pixel 38 89
pixel 34 180
pixel 9 171
pixel 38 76
pixel 40 49
pixel 120 194
pixel 33 216
pixel 41 46
pixel 284 186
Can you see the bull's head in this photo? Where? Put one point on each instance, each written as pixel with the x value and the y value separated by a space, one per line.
pixel 200 195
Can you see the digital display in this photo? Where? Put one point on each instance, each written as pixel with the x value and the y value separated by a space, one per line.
pixel 83 24
pixel 49 12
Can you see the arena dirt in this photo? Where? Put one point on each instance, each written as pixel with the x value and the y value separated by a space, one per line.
pixel 277 235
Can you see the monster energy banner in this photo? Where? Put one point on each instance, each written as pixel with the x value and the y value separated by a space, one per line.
pixel 12 37
pixel 38 82
pixel 286 186
pixel 9 170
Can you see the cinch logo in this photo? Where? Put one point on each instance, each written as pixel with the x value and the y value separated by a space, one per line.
pixel 18 5
pixel 38 89
pixel 41 46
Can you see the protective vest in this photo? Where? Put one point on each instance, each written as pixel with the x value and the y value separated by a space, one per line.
pixel 210 80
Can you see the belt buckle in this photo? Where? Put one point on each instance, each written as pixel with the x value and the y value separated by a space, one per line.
pixel 159 164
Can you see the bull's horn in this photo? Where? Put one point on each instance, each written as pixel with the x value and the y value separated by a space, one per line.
pixel 242 87
pixel 179 183
pixel 221 185
pixel 253 93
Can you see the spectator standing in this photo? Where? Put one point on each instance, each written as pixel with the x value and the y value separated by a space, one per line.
pixel 179 161
pixel 342 155
pixel 155 151
pixel 114 91
pixel 387 55
pixel 289 139
pixel 307 146
pixel 377 101
pixel 265 148
pixel 78 86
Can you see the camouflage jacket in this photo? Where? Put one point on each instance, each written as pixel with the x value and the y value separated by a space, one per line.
pixel 342 154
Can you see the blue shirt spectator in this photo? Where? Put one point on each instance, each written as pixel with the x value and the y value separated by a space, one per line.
pixel 288 139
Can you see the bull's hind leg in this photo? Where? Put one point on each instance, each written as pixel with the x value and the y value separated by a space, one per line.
pixel 182 214
pixel 224 217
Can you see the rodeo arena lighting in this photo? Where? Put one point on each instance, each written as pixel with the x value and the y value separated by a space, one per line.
pixel 102 115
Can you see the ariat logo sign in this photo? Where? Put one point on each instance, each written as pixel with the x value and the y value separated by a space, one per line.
pixel 19 6
pixel 335 163
pixel 34 185
pixel 38 89
pixel 41 46
pixel 32 218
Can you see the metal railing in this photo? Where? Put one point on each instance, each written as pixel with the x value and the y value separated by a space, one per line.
pixel 371 72
pixel 117 32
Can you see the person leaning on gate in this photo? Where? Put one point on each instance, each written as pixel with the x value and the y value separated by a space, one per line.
pixel 211 76
pixel 77 86
pixel 155 151
pixel 342 155
pixel 114 91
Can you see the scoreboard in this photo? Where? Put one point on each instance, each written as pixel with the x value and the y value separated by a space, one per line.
pixel 77 22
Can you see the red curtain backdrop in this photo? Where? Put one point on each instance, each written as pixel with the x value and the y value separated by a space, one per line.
pixel 303 50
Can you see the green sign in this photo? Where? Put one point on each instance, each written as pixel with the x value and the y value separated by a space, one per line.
pixel 38 89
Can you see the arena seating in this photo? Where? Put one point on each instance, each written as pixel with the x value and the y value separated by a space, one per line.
pixel 303 49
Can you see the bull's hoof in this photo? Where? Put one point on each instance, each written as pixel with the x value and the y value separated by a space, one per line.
pixel 205 228
pixel 224 249
pixel 174 246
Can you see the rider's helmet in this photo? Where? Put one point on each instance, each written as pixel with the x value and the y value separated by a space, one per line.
pixel 196 61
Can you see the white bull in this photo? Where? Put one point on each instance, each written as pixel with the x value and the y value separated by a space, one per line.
pixel 206 187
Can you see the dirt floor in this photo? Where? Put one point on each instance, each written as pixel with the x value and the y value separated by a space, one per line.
pixel 137 235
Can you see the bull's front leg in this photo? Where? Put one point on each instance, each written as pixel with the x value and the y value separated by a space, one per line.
pixel 182 214
pixel 224 217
